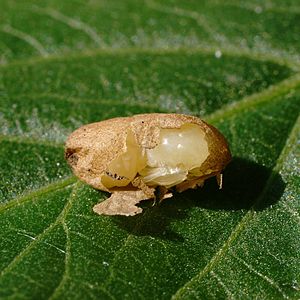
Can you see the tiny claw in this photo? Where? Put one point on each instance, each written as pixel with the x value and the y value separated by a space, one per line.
pixel 121 203
pixel 220 180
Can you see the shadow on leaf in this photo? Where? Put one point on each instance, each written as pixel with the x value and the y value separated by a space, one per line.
pixel 246 185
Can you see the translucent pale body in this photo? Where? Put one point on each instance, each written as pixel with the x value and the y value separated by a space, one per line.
pixel 163 176
pixel 168 164
pixel 124 168
pixel 179 151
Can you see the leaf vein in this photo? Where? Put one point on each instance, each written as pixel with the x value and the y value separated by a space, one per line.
pixel 281 58
pixel 267 95
pixel 72 23
pixel 200 19
pixel 33 42
pixel 119 251
pixel 222 284
pixel 31 195
pixel 244 220
pixel 264 277
pixel 36 240
pixel 61 219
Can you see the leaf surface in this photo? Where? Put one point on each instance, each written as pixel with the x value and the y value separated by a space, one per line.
pixel 65 64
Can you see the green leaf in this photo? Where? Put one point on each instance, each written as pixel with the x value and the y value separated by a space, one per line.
pixel 68 63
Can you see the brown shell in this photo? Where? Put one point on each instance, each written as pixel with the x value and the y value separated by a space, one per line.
pixel 91 148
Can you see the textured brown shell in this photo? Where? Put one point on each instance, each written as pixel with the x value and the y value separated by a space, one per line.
pixel 91 148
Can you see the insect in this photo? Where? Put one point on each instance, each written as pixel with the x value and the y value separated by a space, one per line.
pixel 137 158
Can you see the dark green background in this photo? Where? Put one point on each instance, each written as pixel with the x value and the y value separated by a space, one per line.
pixel 67 63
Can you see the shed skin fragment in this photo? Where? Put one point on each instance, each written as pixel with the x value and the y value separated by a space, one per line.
pixel 121 203
pixel 91 148
pixel 124 203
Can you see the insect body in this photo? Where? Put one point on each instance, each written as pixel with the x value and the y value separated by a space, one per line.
pixel 132 157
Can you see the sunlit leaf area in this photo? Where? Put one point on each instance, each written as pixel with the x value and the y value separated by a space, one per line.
pixel 235 64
